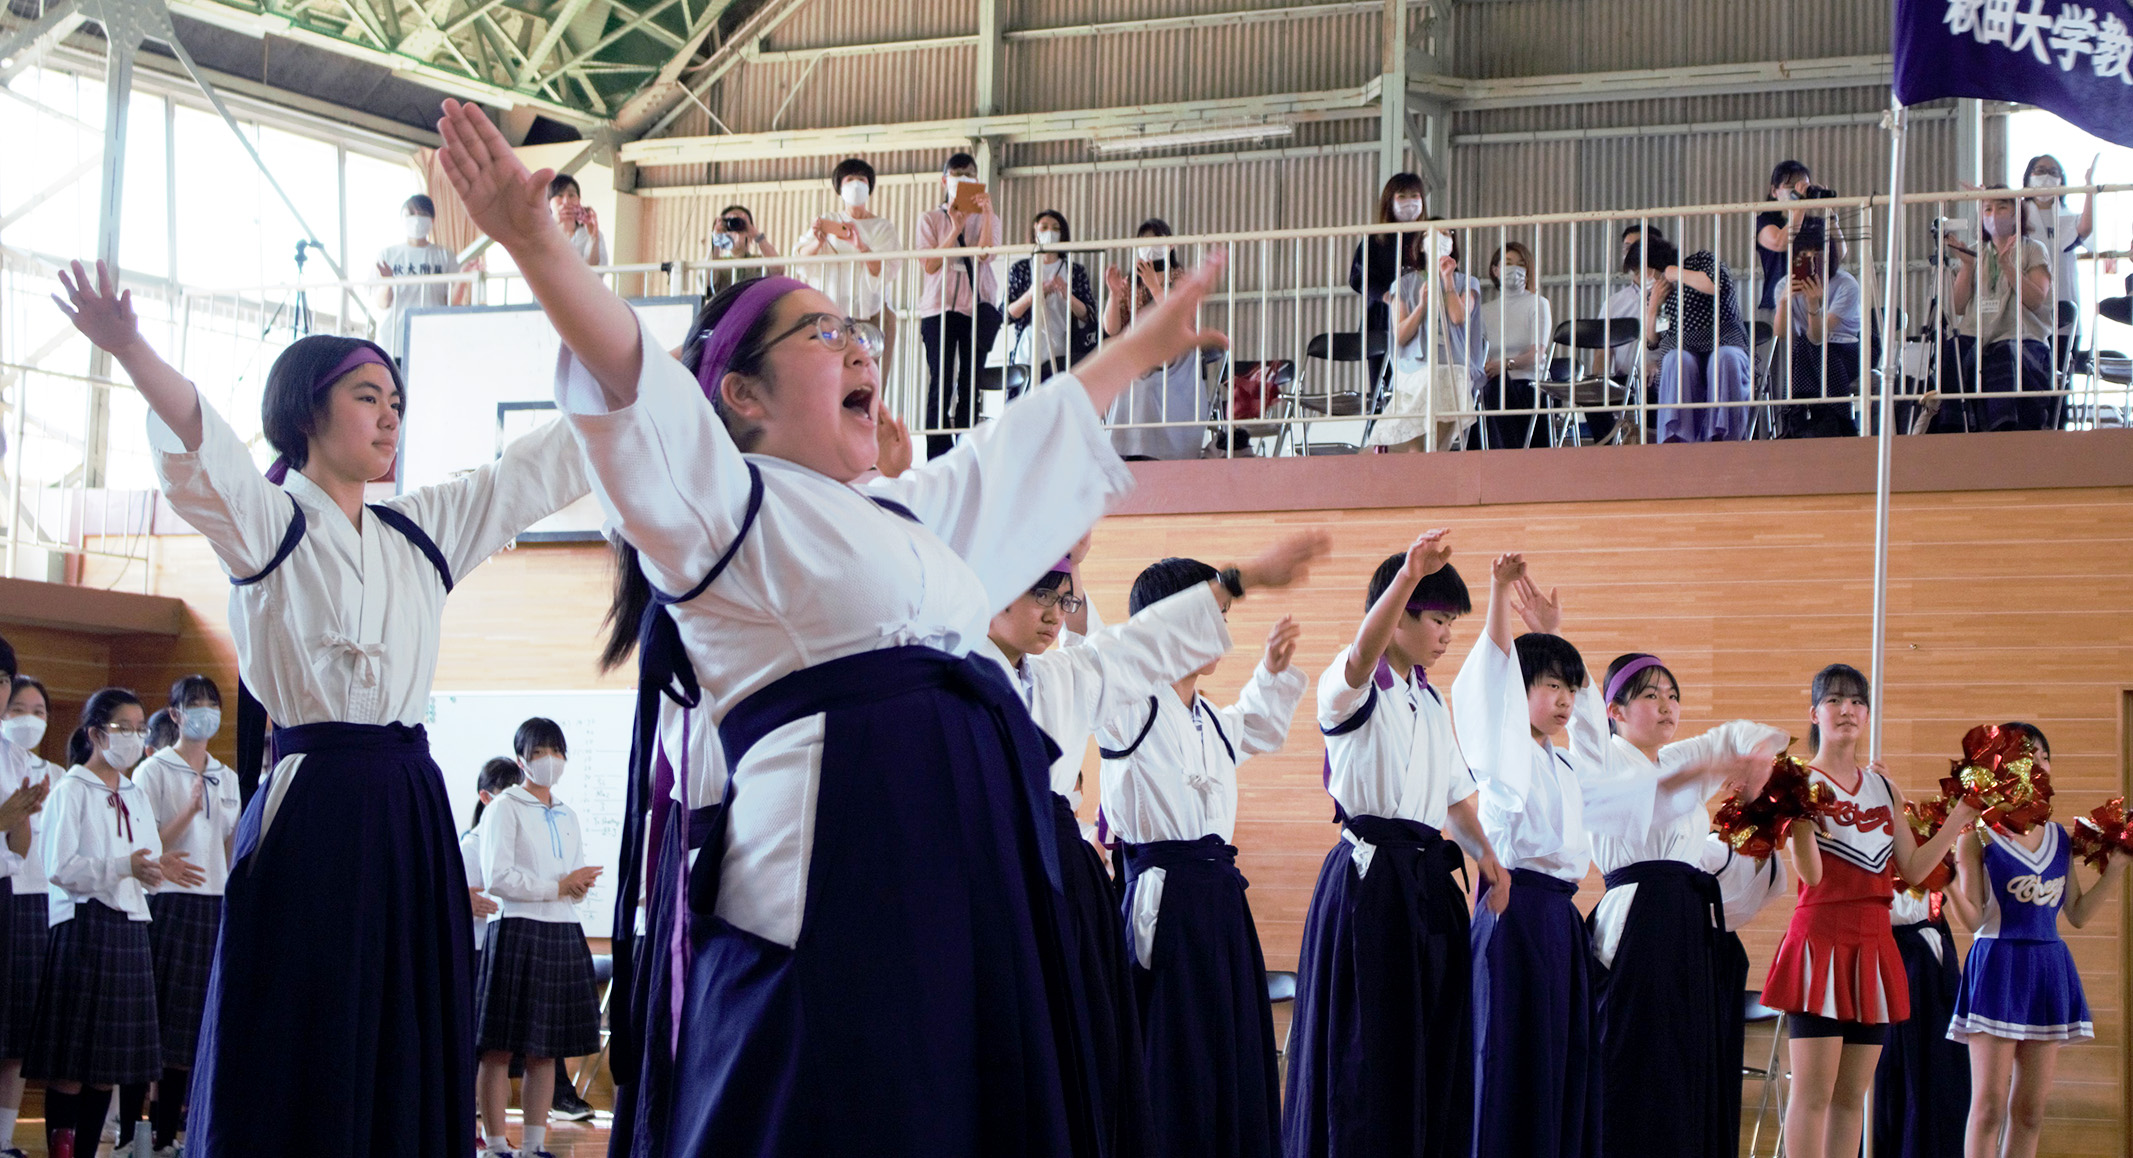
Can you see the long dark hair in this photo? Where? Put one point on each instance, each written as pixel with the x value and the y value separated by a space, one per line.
pixel 633 592
pixel 290 409
pixel 1410 243
pixel 97 713
pixel 1836 679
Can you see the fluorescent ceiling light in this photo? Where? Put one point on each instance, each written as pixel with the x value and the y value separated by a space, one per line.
pixel 1192 137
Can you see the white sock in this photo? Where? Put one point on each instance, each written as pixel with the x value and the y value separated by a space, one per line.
pixel 7 1126
pixel 532 1138
pixel 496 1143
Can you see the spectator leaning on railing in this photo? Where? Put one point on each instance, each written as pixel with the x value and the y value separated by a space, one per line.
pixel 1433 382
pixel 1381 258
pixel 1170 393
pixel 419 255
pixel 958 304
pixel 861 288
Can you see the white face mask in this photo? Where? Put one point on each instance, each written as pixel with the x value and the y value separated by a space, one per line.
pixel 1152 252
pixel 1406 209
pixel 1513 278
pixel 418 227
pixel 200 723
pixel 23 731
pixel 123 751
pixel 2044 180
pixel 855 193
pixel 1048 237
pixel 1440 245
pixel 543 770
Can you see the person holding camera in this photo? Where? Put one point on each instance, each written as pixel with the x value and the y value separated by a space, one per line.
pixel 1170 393
pixel 860 288
pixel 1821 319
pixel 737 237
pixel 959 301
pixel 576 219
pixel 1790 183
pixel 1053 315
pixel 1433 377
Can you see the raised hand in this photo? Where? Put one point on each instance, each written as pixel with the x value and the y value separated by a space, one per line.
pixel 1509 568
pixel 1281 644
pixel 1287 561
pixel 1115 281
pixel 97 308
pixel 506 201
pixel 1428 554
pixel 1171 327
pixel 1542 613
pixel 892 441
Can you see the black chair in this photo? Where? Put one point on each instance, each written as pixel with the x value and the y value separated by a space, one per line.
pixel 1340 346
pixel 1754 1012
pixel 1013 379
pixel 1280 988
pixel 1566 383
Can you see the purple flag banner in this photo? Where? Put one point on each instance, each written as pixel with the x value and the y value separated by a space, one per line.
pixel 2071 58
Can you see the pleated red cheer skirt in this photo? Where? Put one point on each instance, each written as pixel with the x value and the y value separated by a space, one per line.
pixel 1839 958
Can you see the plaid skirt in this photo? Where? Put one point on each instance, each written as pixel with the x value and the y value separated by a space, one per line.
pixel 182 941
pixel 536 995
pixel 29 918
pixel 97 1020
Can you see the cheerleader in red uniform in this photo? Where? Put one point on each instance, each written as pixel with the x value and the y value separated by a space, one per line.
pixel 1837 974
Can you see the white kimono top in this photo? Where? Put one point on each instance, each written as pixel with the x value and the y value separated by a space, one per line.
pixel 1402 762
pixel 825 573
pixel 1533 799
pixel 89 841
pixel 527 848
pixel 167 780
pixel 1678 822
pixel 1180 783
pixel 1072 689
pixel 1745 884
pixel 347 628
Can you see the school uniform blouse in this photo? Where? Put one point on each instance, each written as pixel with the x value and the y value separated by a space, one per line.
pixel 27 875
pixel 826 573
pixel 167 781
pixel 90 839
pixel 1677 822
pixel 1071 689
pixel 14 773
pixel 347 629
pixel 1537 800
pixel 1402 762
pixel 527 848
pixel 470 856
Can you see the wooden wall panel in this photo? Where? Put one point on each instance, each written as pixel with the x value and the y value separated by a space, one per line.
pixel 2004 604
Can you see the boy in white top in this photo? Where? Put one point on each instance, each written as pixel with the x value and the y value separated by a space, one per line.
pixel 420 255
pixel 1378 1016
pixel 576 219
pixel 1170 793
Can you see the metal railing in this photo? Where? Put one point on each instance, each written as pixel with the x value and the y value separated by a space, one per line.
pixel 1313 366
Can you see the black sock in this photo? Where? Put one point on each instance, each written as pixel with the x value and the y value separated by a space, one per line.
pixel 169 1109
pixel 132 1096
pixel 89 1114
pixel 59 1115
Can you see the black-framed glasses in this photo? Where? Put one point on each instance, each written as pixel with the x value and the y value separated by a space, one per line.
pixel 834 332
pixel 1048 597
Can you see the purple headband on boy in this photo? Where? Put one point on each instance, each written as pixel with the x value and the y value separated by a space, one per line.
pixel 1629 672
pixel 362 355
pixel 725 337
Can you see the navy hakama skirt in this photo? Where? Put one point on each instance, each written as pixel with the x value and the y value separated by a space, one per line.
pixel 924 1010
pixel 339 1012
pixel 1381 1043
pixel 97 1022
pixel 1922 1085
pixel 1536 1092
pixel 1660 1017
pixel 1208 1032
pixel 1100 975
pixel 1733 979
pixel 181 935
pixel 29 927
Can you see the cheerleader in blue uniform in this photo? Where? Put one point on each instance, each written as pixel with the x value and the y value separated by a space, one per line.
pixel 2021 998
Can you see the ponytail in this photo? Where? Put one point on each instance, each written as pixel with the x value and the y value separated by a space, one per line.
pixel 625 612
pixel 79 749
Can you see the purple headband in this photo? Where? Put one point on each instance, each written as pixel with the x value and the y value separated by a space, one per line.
pixel 725 337
pixel 363 355
pixel 1064 565
pixel 1628 672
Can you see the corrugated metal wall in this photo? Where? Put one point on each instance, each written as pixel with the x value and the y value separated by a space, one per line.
pixel 1545 37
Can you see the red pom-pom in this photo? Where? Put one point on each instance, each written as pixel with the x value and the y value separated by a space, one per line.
pixel 2000 777
pixel 1757 826
pixel 2104 832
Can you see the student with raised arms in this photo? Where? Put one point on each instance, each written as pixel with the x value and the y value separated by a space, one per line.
pixel 869 962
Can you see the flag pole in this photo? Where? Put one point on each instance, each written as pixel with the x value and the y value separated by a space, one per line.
pixel 1884 445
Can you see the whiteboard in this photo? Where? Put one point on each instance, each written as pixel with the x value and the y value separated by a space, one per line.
pixel 467 728
pixel 479 376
